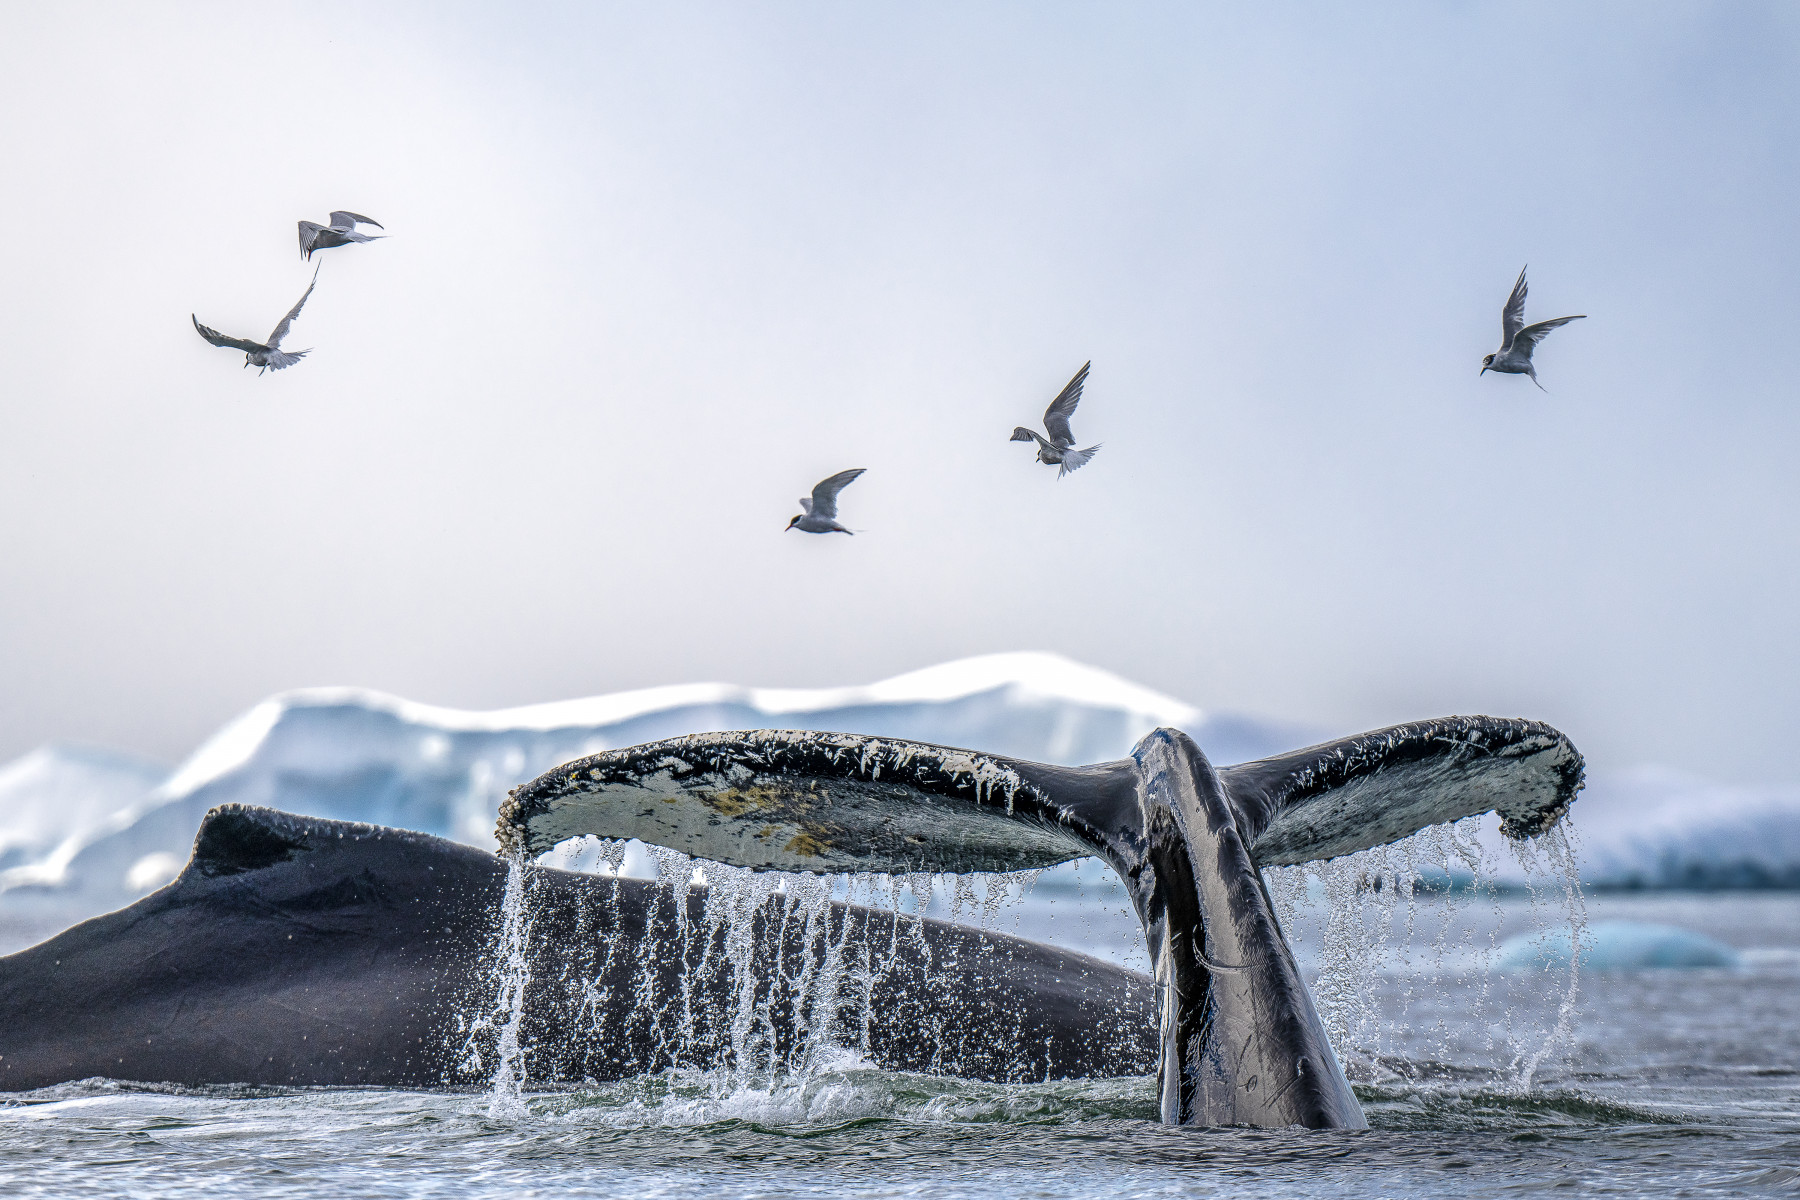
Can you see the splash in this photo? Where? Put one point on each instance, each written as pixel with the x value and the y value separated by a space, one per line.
pixel 753 980
pixel 1551 874
pixel 1404 937
pixel 507 1085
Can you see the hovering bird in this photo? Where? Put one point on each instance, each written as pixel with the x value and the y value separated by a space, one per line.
pixel 341 232
pixel 1517 339
pixel 270 357
pixel 819 512
pixel 1059 447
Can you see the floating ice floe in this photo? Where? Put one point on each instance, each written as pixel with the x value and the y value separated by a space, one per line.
pixel 1616 946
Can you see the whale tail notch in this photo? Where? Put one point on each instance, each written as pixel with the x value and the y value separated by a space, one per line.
pixel 1187 840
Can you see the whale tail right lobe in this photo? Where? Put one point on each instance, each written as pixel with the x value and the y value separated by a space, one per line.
pixel 1241 1041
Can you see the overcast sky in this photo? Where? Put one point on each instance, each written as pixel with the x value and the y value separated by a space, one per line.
pixel 655 269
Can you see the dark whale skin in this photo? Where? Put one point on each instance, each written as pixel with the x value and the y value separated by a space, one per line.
pixel 1241 1042
pixel 294 951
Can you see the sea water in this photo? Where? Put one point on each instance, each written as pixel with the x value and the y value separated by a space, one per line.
pixel 1663 1082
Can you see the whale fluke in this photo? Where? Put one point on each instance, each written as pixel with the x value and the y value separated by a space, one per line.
pixel 1241 1042
pixel 1375 788
pixel 796 800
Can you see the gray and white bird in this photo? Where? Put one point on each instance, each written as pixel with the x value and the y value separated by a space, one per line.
pixel 1059 448
pixel 269 356
pixel 819 511
pixel 1517 339
pixel 341 232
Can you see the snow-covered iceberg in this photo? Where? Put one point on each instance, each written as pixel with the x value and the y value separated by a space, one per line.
pixel 85 831
pixel 354 754
pixel 1650 827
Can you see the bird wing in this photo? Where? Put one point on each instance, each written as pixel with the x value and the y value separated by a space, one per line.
pixel 1528 338
pixel 309 237
pixel 825 494
pixel 281 329
pixel 1056 417
pixel 806 505
pixel 219 339
pixel 350 220
pixel 1513 315
pixel 1022 434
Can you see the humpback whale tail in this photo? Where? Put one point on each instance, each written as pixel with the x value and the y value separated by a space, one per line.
pixel 1240 1040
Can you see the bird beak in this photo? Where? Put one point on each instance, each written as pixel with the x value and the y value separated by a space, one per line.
pixel 1482 372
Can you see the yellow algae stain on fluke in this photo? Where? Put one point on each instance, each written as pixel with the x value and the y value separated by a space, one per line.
pixel 735 802
pixel 805 845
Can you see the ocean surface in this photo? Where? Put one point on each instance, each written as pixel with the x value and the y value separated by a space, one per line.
pixel 1483 1070
pixel 1477 1081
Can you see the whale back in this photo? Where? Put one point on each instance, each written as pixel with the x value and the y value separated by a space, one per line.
pixel 299 951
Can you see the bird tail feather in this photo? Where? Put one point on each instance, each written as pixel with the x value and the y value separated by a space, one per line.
pixel 1074 460
pixel 286 358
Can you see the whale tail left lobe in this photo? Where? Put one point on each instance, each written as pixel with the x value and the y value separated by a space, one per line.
pixel 1241 1042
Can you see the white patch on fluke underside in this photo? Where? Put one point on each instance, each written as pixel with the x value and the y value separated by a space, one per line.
pixel 764 799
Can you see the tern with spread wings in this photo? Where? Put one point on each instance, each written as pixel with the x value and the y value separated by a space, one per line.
pixel 341 232
pixel 1517 339
pixel 269 356
pixel 819 512
pixel 1059 448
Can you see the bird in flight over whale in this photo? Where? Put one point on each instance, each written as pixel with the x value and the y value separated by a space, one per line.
pixel 819 511
pixel 269 356
pixel 1059 448
pixel 341 232
pixel 1517 339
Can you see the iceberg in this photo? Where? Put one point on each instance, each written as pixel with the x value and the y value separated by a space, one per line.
pixel 84 831
pixel 1651 827
pixel 56 788
pixel 360 755
pixel 1616 946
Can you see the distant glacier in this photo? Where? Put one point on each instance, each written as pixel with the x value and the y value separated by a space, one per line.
pixel 84 831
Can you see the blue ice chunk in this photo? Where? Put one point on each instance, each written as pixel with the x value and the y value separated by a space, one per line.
pixel 1617 946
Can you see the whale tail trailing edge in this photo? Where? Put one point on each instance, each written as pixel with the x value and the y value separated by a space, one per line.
pixel 1242 1043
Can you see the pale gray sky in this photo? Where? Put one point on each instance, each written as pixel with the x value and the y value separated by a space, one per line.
pixel 655 269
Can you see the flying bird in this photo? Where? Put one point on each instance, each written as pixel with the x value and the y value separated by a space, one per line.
pixel 270 357
pixel 1517 339
pixel 341 232
pixel 1059 447
pixel 819 512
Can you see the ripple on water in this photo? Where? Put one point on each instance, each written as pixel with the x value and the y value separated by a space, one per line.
pixel 859 1129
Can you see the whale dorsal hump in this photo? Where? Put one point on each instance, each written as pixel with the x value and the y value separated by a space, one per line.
pixel 235 838
pixel 802 801
pixel 1378 787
